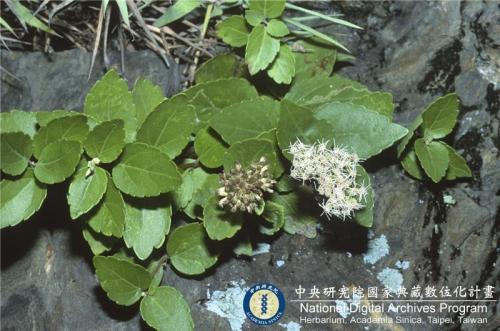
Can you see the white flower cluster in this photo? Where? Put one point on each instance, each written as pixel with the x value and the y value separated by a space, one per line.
pixel 332 171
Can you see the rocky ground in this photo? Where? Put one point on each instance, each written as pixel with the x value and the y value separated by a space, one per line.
pixel 416 50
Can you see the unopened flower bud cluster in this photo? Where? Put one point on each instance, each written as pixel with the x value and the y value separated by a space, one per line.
pixel 243 188
pixel 332 171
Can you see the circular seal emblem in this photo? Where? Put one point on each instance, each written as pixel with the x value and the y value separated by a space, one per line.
pixel 264 304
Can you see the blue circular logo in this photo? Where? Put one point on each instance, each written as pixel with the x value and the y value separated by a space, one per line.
pixel 264 304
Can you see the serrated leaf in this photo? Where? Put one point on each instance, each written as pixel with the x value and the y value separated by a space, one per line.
pixel 299 123
pixel 320 90
pixel 219 67
pixel 18 121
pixel 98 243
pixel 189 251
pixel 106 141
pixel 316 59
pixel 122 280
pixel 251 150
pixel 379 102
pixel 366 132
pixel 156 269
pixel 458 167
pixel 273 213
pixel 147 96
pixel 282 69
pixel 15 152
pixel 261 50
pixel 178 10
pixel 109 217
pixel 268 8
pixel 433 157
pixel 85 191
pixel 45 117
pixel 439 119
pixel 220 223
pixel 109 99
pixel 58 161
pixel 71 128
pixel 233 31
pixel 277 28
pixel 209 148
pixel 254 17
pixel 144 171
pixel 166 309
pixel 364 216
pixel 411 131
pixel 247 119
pixel 410 164
pixel 21 198
pixel 147 222
pixel 301 215
pixel 169 126
pixel 210 97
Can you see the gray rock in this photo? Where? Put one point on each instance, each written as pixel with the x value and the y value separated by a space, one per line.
pixel 416 50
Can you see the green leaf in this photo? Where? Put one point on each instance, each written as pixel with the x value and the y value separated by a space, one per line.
pixel 243 245
pixel 274 213
pixel 299 123
pixel 210 97
pixel 166 309
pixel 45 117
pixel 364 216
pixel 277 28
pixel 366 132
pixel 209 148
pixel 18 121
pixel 410 164
pixel 325 17
pixel 169 127
pixel 316 33
pixel 147 222
pixel 146 96
pixel 247 119
pixel 86 191
pixel 320 90
pixel 71 128
pixel 261 50
pixel 433 157
pixel 58 161
pixel 26 17
pixel 6 25
pixel 219 67
pixel 411 131
pixel 283 68
pixel 109 217
pixel 15 152
pixel 156 269
pixel 300 212
pixel 251 150
pixel 122 7
pixel 98 243
pixel 379 102
pixel 233 31
pixel 109 99
pixel 458 167
pixel 144 171
pixel 106 141
pixel 123 281
pixel 188 249
pixel 219 222
pixel 254 17
pixel 178 10
pixel 268 8
pixel 287 184
pixel 317 59
pixel 440 117
pixel 21 198
pixel 197 187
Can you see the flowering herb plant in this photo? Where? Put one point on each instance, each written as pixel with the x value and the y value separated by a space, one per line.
pixel 214 163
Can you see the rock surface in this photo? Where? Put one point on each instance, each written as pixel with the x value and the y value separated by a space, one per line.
pixel 417 51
